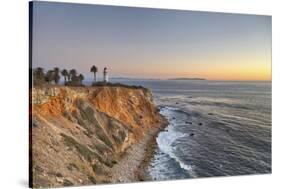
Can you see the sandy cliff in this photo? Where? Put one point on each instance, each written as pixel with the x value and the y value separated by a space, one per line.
pixel 80 134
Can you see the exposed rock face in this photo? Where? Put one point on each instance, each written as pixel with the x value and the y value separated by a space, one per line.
pixel 79 134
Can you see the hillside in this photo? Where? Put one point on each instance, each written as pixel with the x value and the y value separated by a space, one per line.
pixel 80 134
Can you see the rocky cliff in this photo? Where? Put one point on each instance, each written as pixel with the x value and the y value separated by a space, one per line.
pixel 79 134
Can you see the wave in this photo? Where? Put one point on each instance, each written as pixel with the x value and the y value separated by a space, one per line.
pixel 166 139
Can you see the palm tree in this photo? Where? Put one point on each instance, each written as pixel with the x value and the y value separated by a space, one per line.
pixel 39 73
pixel 64 72
pixel 81 78
pixel 39 70
pixel 95 70
pixel 68 76
pixel 56 75
pixel 73 73
pixel 73 76
pixel 38 76
pixel 50 76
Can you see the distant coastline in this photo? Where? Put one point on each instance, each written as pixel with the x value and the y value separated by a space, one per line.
pixel 134 78
pixel 186 78
pixel 180 78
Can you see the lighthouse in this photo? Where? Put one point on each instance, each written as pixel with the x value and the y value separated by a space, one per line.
pixel 105 75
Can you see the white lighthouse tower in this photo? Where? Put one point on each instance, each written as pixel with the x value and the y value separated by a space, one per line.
pixel 105 75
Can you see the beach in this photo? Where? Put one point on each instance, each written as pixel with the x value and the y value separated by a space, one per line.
pixel 133 164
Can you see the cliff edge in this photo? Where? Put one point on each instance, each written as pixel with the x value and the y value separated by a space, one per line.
pixel 80 134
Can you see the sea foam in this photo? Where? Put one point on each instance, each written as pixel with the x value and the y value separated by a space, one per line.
pixel 166 139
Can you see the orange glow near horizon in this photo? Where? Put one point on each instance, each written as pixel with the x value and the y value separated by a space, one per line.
pixel 250 68
pixel 148 43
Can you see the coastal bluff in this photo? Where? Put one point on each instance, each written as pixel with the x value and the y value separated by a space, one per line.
pixel 80 135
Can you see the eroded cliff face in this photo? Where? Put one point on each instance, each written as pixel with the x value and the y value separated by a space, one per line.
pixel 79 134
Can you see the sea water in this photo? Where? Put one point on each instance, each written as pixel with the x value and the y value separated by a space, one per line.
pixel 216 128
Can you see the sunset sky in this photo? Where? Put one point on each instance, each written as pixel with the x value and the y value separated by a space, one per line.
pixel 151 43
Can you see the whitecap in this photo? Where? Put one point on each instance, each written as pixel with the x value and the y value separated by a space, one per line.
pixel 166 139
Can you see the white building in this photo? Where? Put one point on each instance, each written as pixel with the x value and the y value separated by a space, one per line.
pixel 105 75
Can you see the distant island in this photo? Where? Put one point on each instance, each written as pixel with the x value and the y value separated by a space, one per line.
pixel 185 78
pixel 134 78
pixel 180 78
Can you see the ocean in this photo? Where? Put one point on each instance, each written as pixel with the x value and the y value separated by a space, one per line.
pixel 216 128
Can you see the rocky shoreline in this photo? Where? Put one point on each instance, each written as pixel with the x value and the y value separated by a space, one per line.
pixel 134 163
pixel 91 135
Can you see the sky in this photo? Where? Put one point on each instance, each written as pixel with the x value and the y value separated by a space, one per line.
pixel 151 43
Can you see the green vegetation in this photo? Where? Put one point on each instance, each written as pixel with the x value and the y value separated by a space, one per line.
pixel 56 75
pixel 53 77
pixel 94 69
pixel 65 74
pixel 101 84
pixel 72 78
pixel 38 76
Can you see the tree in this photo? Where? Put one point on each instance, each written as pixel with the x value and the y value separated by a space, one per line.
pixel 50 76
pixel 81 78
pixel 68 77
pixel 39 73
pixel 94 69
pixel 56 75
pixel 73 73
pixel 73 77
pixel 65 74
pixel 38 76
